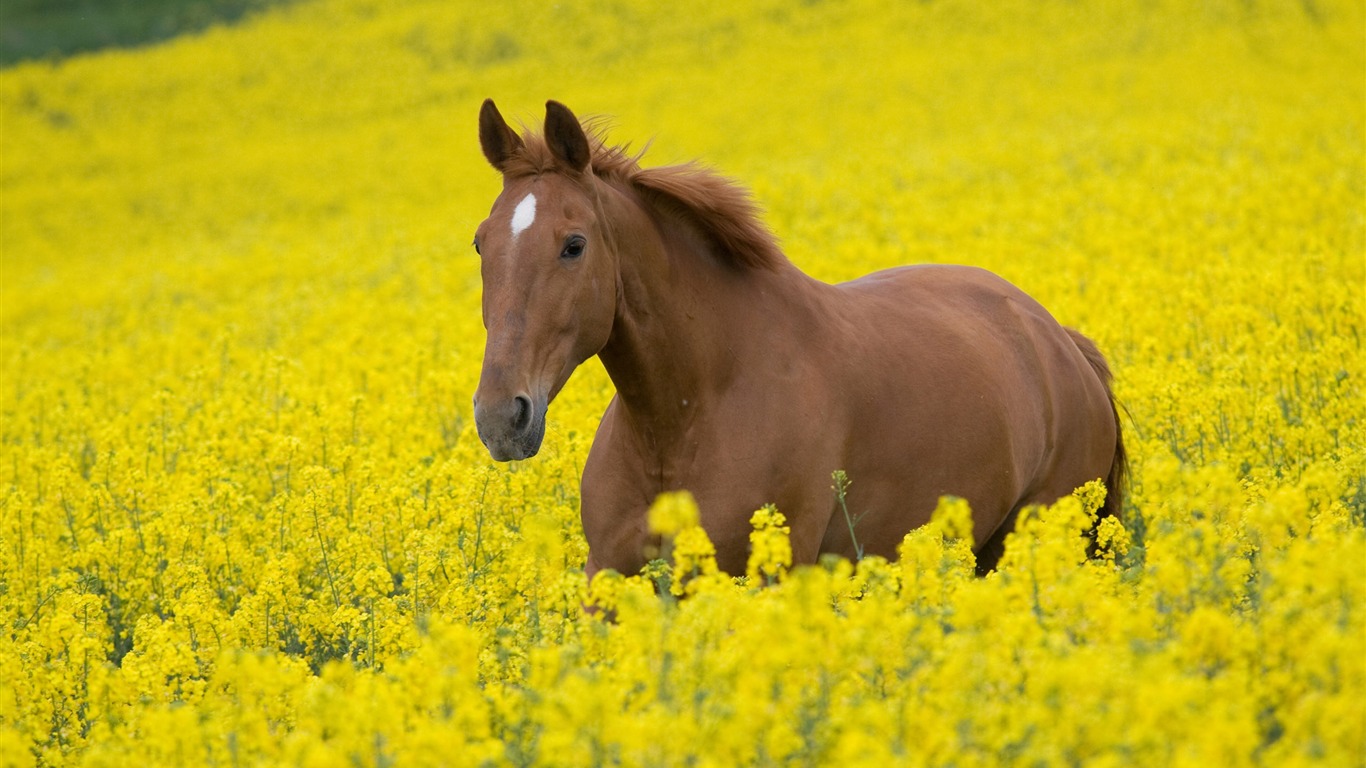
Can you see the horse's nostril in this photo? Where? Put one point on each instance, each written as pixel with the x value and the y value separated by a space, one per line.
pixel 522 419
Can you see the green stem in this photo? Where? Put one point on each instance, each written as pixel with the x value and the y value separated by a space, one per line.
pixel 841 497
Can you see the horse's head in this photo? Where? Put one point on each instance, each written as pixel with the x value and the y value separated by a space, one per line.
pixel 550 278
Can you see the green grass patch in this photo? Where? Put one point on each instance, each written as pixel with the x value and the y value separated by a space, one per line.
pixel 37 29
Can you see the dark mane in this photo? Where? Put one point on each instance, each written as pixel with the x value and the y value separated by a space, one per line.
pixel 717 206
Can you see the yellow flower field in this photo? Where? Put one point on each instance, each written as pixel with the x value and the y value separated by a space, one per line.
pixel 246 518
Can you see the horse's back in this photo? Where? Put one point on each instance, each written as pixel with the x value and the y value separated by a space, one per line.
pixel 967 386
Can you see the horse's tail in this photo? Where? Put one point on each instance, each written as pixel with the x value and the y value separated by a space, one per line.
pixel 1119 468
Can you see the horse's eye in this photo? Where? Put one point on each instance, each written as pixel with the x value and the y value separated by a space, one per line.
pixel 573 247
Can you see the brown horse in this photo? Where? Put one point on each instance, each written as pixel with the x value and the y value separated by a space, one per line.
pixel 746 382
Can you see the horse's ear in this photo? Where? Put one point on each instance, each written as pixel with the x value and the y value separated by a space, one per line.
pixel 568 143
pixel 497 139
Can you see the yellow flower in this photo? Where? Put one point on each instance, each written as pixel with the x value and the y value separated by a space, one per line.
pixel 672 512
pixel 372 581
pixel 694 557
pixel 953 517
pixel 1113 538
pixel 770 552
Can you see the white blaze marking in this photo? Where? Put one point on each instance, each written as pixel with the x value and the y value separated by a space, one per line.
pixel 523 215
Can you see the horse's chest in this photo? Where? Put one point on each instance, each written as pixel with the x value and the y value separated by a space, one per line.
pixel 731 465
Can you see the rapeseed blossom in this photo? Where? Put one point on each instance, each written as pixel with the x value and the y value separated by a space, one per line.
pixel 672 513
pixel 770 549
pixel 245 517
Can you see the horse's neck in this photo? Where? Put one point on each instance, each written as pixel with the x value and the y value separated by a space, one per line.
pixel 679 321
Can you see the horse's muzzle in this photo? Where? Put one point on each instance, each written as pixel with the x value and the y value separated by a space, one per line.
pixel 511 428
